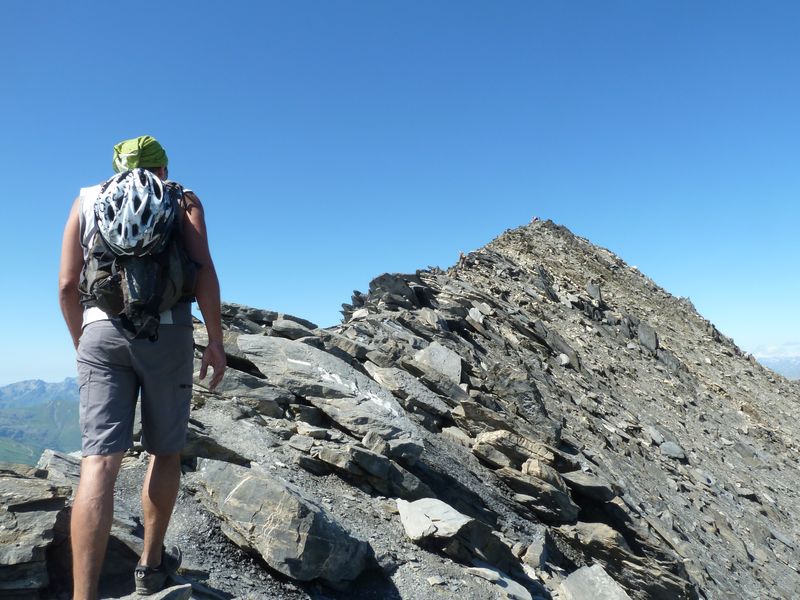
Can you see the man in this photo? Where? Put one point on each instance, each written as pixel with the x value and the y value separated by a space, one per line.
pixel 114 369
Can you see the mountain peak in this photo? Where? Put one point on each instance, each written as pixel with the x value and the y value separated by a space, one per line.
pixel 540 408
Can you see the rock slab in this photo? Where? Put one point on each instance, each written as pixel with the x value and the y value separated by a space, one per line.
pixel 293 534
pixel 591 582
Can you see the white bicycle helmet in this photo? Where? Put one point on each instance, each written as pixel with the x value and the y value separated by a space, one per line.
pixel 134 213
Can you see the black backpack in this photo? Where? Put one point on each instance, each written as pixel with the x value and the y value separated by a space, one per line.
pixel 136 289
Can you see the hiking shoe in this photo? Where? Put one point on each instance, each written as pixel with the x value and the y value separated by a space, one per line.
pixel 151 580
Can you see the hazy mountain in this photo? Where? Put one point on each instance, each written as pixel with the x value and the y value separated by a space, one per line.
pixel 35 415
pixel 783 359
pixel 36 391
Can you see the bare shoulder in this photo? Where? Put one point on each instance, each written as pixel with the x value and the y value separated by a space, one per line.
pixel 74 212
pixel 192 203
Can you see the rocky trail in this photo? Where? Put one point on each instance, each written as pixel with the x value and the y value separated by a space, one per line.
pixel 540 421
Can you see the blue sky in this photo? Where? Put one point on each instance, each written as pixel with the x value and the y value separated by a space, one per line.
pixel 331 141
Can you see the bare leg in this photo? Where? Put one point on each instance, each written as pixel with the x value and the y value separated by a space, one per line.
pixel 158 499
pixel 92 513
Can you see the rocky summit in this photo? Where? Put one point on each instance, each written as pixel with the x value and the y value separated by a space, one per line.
pixel 540 421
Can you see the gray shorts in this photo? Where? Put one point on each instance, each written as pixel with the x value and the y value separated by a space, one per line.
pixel 112 370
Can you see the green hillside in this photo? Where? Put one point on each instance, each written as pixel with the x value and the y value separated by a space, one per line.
pixel 27 430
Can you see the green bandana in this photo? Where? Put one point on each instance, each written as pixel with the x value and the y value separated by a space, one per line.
pixel 143 151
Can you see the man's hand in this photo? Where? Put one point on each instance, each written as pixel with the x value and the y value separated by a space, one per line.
pixel 214 357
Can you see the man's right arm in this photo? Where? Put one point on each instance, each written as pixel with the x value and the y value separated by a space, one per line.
pixel 69 274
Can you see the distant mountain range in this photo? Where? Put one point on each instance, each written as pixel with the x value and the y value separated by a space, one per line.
pixel 35 415
pixel 788 366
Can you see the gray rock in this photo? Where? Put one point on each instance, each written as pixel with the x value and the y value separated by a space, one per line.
pixel 411 393
pixel 540 470
pixel 201 445
pixel 476 315
pixel 549 503
pixel 232 311
pixel 444 386
pixel 353 400
pixel 442 360
pixel 672 450
pixel 308 414
pixel 591 582
pixel 373 463
pixel 339 458
pixel 597 539
pixel 507 587
pixel 176 592
pixel 28 515
pixel 317 433
pixel 556 343
pixel 403 484
pixel 654 434
pixel 303 443
pixel 347 345
pixel 293 534
pixel 475 418
pixel 430 518
pixel 506 449
pixel 62 469
pixel 589 485
pixel 253 392
pixel 648 337
pixel 457 435
pixel 431 521
pixel 291 330
pixel 404 450
pixel 593 289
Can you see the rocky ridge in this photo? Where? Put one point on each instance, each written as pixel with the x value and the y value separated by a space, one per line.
pixel 538 421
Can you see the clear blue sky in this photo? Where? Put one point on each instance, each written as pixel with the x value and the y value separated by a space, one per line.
pixel 332 140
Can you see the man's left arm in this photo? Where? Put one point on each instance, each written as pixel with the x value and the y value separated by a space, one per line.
pixel 195 237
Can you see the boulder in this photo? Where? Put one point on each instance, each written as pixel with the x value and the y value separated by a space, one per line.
pixel 506 587
pixel 430 521
pixel 506 449
pixel 591 582
pixel 549 503
pixel 541 470
pixel 28 514
pixel 590 485
pixel 293 534
pixel 442 360
pixel 673 450
pixel 597 540
pixel 412 394
pixel 340 343
pixel 291 330
pixel 475 418
pixel 648 337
